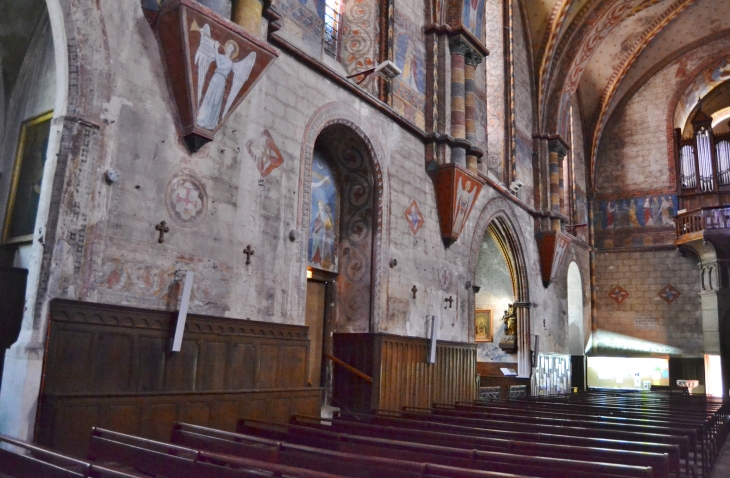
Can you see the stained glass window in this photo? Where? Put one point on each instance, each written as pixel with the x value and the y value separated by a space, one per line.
pixel 331 27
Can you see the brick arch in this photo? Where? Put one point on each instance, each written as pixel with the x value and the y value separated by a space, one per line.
pixel 341 114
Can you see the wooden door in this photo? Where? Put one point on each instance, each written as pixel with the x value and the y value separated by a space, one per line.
pixel 316 300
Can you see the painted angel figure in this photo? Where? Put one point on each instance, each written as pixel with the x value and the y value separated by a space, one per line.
pixel 209 114
pixel 464 201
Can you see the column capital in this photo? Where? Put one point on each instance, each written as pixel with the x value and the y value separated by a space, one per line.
pixel 461 46
pixel 556 146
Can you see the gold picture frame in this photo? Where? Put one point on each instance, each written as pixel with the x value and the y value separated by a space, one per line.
pixel 483 325
pixel 25 182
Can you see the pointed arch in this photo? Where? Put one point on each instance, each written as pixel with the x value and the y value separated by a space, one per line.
pixel 498 219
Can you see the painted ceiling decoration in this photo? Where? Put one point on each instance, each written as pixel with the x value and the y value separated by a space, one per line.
pixel 598 50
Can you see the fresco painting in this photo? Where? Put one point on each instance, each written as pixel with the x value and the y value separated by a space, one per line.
pixel 323 222
pixel 409 58
pixel 639 212
pixel 473 17
pixel 703 84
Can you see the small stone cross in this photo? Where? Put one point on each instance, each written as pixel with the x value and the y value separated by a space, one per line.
pixel 414 290
pixel 450 300
pixel 162 227
pixel 249 252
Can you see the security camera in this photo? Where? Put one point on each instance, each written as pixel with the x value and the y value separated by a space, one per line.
pixel 387 70
pixel 516 186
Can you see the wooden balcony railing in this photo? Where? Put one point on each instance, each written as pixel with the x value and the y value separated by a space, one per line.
pixel 704 219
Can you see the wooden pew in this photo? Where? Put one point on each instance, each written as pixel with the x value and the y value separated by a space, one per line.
pixel 350 464
pixel 387 417
pixel 448 445
pixel 703 416
pixel 707 437
pixel 455 436
pixel 564 425
pixel 32 461
pixel 157 458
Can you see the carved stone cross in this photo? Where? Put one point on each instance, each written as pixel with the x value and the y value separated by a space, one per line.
pixel 162 227
pixel 414 290
pixel 249 252
pixel 450 300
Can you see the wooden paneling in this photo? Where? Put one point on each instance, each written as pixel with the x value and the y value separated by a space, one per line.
pixel 110 366
pixel 96 348
pixel 400 372
pixel 69 418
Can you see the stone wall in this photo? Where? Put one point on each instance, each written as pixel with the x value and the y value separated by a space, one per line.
pixel 652 296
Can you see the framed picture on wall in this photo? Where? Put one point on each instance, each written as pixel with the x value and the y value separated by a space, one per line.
pixel 483 325
pixel 25 183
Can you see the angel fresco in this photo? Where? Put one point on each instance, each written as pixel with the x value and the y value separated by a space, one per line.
pixel 210 102
pixel 466 193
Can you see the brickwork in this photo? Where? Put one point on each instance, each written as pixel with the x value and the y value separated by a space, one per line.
pixel 644 314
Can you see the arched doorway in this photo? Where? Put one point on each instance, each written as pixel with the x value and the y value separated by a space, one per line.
pixel 576 337
pixel 339 247
pixel 498 271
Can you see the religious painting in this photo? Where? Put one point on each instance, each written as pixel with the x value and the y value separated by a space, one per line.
pixel 324 217
pixel 25 183
pixel 473 17
pixel 639 212
pixel 483 325
pixel 211 95
pixel 265 153
pixel 410 59
pixel 211 64
pixel 467 191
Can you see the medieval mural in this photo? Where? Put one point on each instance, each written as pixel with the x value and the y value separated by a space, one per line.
pixel 323 224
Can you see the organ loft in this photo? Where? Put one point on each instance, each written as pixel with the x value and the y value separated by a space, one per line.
pixel 364 238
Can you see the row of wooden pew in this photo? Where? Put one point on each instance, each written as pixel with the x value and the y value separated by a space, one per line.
pixel 594 434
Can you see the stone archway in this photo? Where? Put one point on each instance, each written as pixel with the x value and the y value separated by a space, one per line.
pixel 498 220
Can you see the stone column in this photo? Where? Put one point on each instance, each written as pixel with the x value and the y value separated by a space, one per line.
pixel 247 13
pixel 459 49
pixel 471 59
pixel 557 153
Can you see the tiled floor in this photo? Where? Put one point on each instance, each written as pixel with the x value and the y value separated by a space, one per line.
pixel 722 465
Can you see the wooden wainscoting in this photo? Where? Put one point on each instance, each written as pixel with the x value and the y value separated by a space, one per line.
pixel 68 418
pixel 400 372
pixel 108 357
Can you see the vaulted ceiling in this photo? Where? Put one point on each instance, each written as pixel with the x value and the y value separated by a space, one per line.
pixel 602 50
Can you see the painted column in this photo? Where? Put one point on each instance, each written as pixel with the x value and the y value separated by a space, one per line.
pixel 557 153
pixel 247 13
pixel 471 59
pixel 458 101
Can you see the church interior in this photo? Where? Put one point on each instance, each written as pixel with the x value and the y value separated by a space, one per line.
pixel 365 238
